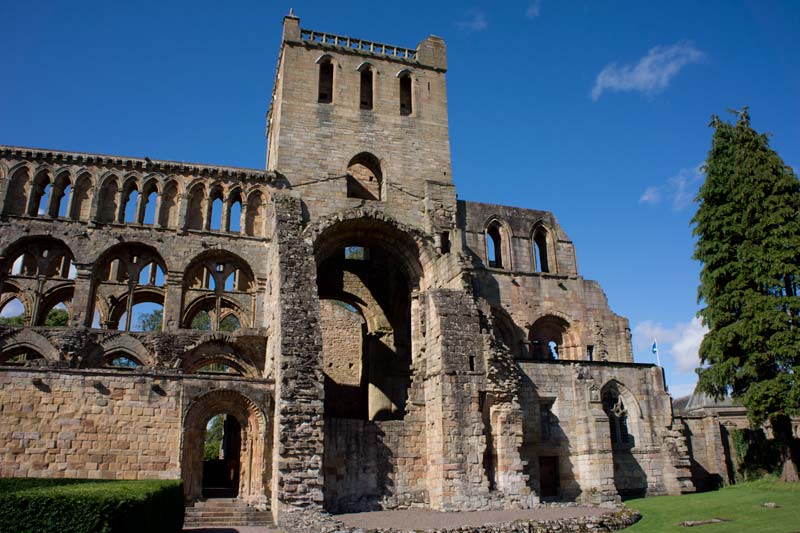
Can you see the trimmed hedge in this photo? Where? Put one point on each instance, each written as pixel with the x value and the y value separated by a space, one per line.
pixel 84 506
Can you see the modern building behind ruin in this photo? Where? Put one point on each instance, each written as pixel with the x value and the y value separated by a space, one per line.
pixel 393 346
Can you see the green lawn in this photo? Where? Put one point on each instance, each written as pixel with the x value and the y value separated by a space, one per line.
pixel 741 504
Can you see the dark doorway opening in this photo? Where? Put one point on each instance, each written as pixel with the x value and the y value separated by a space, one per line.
pixel 221 457
pixel 548 477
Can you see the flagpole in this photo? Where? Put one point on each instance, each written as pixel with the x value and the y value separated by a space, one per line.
pixel 655 351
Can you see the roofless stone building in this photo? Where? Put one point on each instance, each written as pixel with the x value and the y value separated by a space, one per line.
pixel 373 341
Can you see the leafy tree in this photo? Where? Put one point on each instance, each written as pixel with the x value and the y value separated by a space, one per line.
pixel 18 320
pixel 748 241
pixel 151 321
pixel 201 321
pixel 213 439
pixel 57 317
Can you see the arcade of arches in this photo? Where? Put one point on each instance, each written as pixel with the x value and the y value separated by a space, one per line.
pixel 338 332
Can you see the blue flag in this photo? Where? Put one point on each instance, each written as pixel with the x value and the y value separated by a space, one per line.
pixel 655 347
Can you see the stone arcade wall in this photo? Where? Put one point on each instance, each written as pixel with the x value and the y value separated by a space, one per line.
pixel 101 424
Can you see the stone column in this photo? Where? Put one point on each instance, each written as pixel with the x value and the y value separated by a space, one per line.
pixel 295 347
pixel 173 294
pixel 82 297
pixel 183 208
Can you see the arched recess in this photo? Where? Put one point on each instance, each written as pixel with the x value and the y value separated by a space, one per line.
pixel 40 271
pixel 364 177
pixel 17 193
pixel 195 216
pixel 625 433
pixel 60 196
pixel 366 86
pixel 498 244
pixel 26 341
pixel 81 204
pixel 325 79
pixel 543 249
pixel 125 345
pixel 107 201
pixel 254 467
pixel 201 357
pixel 255 217
pixel 508 333
pixel 168 212
pixel 40 193
pixel 406 92
pixel 554 337
pixel 372 266
pixel 127 275
pixel 220 284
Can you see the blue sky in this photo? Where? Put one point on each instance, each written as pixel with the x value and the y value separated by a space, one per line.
pixel 597 111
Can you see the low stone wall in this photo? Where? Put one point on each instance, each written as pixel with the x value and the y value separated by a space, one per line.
pixel 614 520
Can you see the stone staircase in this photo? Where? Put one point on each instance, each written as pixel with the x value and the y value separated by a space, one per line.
pixel 220 512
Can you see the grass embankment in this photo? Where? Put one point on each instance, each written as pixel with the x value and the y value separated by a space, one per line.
pixel 741 504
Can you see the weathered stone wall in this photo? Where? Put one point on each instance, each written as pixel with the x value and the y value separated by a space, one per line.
pixel 104 424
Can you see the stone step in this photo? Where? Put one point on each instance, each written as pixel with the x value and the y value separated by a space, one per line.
pixel 225 512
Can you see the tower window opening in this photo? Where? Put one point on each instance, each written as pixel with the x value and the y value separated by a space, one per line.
pixel 405 94
pixel 540 251
pixel 325 95
pixel 366 88
pixel 445 242
pixel 494 246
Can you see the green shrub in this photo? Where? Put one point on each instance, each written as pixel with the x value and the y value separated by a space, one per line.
pixel 757 455
pixel 82 505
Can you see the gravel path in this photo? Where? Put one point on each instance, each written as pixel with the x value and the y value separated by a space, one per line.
pixel 427 519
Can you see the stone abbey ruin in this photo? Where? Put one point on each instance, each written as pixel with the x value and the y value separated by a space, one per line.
pixel 372 341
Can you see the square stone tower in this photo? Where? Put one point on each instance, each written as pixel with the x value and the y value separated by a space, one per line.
pixel 370 118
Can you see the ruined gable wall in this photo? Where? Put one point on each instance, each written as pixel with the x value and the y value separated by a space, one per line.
pixel 526 295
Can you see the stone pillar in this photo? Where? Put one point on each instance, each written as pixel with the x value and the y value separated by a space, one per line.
pixel 173 289
pixel 183 208
pixel 592 458
pixel 82 297
pixel 295 347
pixel 455 440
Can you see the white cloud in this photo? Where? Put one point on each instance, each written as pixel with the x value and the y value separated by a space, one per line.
pixel 679 343
pixel 653 72
pixel 679 190
pixel 474 20
pixel 534 9
pixel 651 195
pixel 678 390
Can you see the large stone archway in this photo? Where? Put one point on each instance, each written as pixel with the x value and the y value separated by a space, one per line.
pixel 253 467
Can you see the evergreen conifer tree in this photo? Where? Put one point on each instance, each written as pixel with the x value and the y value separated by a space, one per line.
pixel 748 241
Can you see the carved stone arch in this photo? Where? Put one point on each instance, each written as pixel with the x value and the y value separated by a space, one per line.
pixel 365 179
pixel 506 331
pixel 228 306
pixel 129 345
pixel 255 468
pixel 559 327
pixel 16 199
pixel 12 291
pixel 84 171
pixel 3 170
pixel 323 57
pixel 153 179
pixel 29 339
pixel 37 245
pixel 498 236
pixel 105 177
pixel 413 249
pixel 631 402
pixel 212 351
pixel 366 64
pixel 406 70
pixel 59 294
